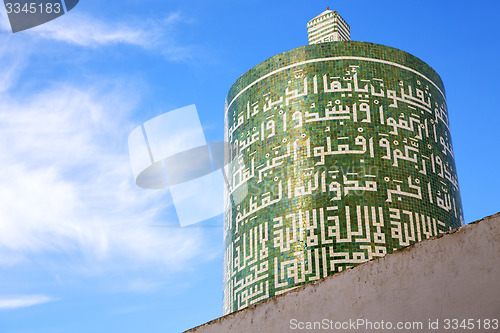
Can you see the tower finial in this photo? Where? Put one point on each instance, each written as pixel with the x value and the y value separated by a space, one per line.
pixel 328 26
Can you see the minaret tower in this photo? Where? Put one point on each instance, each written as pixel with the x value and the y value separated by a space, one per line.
pixel 344 155
pixel 328 26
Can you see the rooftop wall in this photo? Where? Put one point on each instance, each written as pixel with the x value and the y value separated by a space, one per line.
pixel 452 276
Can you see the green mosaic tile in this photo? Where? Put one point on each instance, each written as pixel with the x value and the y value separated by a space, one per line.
pixel 345 155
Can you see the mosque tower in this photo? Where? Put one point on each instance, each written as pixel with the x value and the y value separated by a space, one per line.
pixel 344 155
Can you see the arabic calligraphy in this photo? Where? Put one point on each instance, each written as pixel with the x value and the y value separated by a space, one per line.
pixel 342 166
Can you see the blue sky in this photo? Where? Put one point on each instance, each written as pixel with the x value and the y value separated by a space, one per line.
pixel 82 248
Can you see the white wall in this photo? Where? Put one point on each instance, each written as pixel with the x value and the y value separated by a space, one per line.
pixel 452 276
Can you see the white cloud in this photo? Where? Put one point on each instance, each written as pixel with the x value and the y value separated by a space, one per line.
pixel 66 186
pixel 11 61
pixel 82 30
pixel 11 303
pixel 4 21
pixel 66 183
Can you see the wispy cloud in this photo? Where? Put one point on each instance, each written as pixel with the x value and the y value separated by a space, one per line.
pixel 4 21
pixel 82 30
pixel 12 61
pixel 66 186
pixel 66 183
pixel 17 302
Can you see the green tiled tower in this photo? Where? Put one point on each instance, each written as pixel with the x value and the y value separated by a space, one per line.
pixel 345 155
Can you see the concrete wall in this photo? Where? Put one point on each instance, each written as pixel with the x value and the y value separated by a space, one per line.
pixel 452 276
